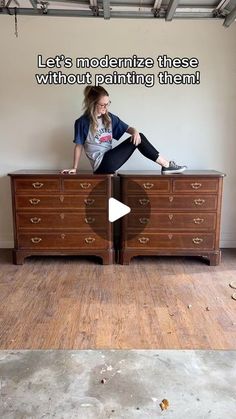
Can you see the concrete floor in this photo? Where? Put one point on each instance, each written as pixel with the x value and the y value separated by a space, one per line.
pixel 68 384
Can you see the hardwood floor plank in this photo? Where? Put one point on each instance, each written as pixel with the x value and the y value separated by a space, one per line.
pixel 153 303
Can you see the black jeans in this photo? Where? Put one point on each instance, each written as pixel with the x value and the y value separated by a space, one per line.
pixel 116 157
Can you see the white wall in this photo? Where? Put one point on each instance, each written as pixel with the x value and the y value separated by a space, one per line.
pixel 193 124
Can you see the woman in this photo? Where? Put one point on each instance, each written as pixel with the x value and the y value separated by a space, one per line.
pixel 94 132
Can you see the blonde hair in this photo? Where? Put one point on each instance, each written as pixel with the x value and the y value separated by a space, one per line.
pixel 92 95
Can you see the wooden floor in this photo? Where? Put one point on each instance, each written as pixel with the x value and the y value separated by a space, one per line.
pixel 154 303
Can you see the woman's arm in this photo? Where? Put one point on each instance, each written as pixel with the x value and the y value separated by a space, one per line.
pixel 77 154
pixel 135 135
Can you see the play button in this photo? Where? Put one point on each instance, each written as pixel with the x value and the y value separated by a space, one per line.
pixel 117 210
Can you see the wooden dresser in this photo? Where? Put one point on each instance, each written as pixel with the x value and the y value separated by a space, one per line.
pixel 171 214
pixel 59 214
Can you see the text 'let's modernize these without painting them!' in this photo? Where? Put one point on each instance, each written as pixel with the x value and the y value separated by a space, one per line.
pixel 143 71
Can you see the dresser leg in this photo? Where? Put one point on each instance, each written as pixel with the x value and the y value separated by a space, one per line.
pixel 124 258
pixel 18 257
pixel 215 259
pixel 108 257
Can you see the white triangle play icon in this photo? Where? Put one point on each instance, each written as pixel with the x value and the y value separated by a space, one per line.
pixel 117 210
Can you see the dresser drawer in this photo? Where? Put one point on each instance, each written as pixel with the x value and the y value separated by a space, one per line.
pixel 85 185
pixel 148 185
pixel 37 185
pixel 61 241
pixel 167 221
pixel 60 202
pixel 171 241
pixel 61 220
pixel 183 202
pixel 195 185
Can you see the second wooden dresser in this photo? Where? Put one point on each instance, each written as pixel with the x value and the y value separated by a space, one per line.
pixel 58 214
pixel 171 214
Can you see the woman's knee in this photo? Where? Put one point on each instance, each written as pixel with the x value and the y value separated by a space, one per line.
pixel 142 136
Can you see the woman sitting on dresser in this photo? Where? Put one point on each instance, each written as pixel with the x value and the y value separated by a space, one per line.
pixel 94 132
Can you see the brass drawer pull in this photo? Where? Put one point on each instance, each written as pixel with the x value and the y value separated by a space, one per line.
pixel 89 239
pixel 196 185
pixel 34 201
pixel 170 216
pixel 197 240
pixel 148 185
pixel 37 185
pixel 144 201
pixel 199 201
pixel 89 201
pixel 143 240
pixel 35 220
pixel 36 239
pixel 198 220
pixel 89 220
pixel 143 220
pixel 85 185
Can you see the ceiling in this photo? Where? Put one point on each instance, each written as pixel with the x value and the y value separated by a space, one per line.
pixel 169 10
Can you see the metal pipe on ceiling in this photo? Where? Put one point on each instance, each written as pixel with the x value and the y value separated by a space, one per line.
pixel 230 18
pixel 90 8
pixel 172 6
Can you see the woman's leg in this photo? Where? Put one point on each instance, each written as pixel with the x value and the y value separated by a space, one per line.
pixel 115 158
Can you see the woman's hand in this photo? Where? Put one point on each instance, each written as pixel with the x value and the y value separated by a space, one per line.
pixel 136 140
pixel 69 171
pixel 135 137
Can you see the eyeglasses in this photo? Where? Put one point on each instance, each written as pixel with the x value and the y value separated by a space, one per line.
pixel 105 105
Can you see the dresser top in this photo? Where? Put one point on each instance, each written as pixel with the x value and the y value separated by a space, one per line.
pixel 199 173
pixel 136 173
pixel 55 173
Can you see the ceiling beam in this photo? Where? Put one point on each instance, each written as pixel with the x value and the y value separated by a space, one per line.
pixel 219 10
pixel 172 6
pixel 222 4
pixel 34 3
pixel 157 8
pixel 106 9
pixel 14 1
pixel 117 11
pixel 94 7
pixel 195 9
pixel 157 4
pixel 230 18
pixel 51 12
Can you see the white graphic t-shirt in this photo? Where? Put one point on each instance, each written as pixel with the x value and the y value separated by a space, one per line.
pixel 98 143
